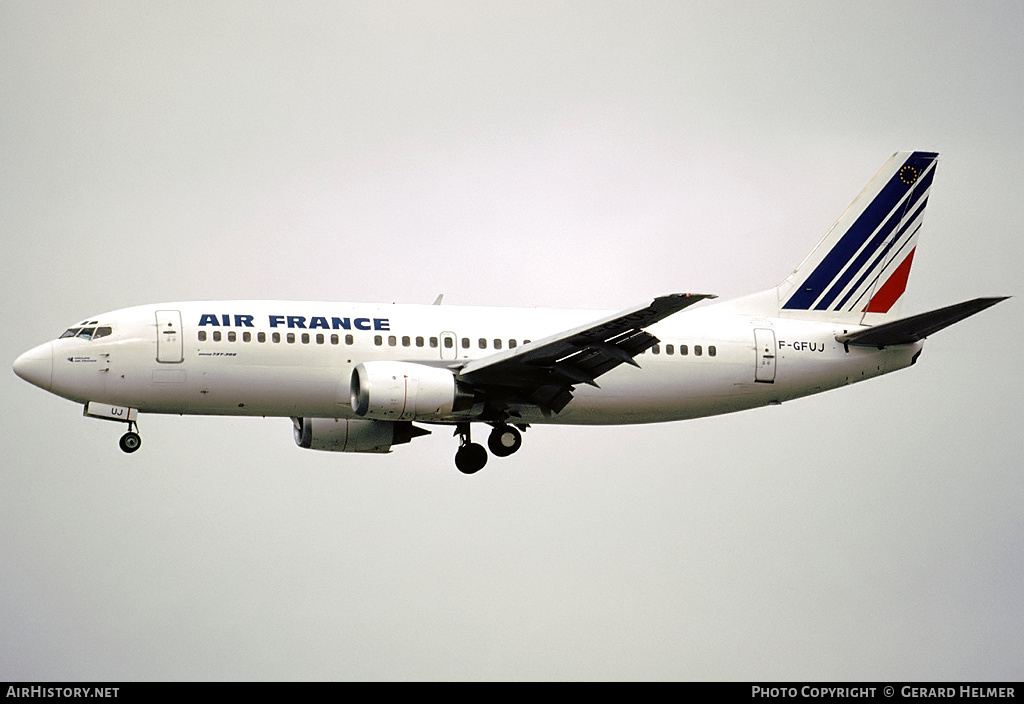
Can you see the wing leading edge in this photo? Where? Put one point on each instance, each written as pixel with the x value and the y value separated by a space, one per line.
pixel 544 372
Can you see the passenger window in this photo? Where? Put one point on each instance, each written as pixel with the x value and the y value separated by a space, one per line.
pixel 670 349
pixel 378 340
pixel 684 350
pixel 419 341
pixel 261 337
pixel 335 339
pixel 291 338
pixel 216 335
pixel 276 337
pixel 319 338
pixel 483 343
pixel 202 336
pixel 511 343
pixel 392 340
pixel 231 336
pixel 698 350
pixel 656 350
pixel 465 343
pixel 712 351
pixel 497 344
pixel 246 336
pixel 349 340
pixel 305 338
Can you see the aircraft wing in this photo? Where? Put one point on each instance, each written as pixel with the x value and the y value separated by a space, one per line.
pixel 543 372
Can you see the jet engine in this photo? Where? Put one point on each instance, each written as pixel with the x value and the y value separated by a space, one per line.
pixel 343 435
pixel 407 391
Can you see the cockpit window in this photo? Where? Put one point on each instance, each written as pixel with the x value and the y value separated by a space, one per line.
pixel 88 333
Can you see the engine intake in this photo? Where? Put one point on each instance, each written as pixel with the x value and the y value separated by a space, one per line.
pixel 345 435
pixel 407 391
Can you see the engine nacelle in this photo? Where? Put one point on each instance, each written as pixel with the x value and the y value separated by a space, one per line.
pixel 406 391
pixel 344 435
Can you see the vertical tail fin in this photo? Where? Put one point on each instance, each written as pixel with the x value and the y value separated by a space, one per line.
pixel 858 271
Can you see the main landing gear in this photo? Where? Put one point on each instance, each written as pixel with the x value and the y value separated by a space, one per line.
pixel 502 442
pixel 131 441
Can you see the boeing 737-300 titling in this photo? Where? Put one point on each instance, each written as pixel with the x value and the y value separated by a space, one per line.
pixel 364 377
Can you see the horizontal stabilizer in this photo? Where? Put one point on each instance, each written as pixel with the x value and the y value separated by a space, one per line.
pixel 917 327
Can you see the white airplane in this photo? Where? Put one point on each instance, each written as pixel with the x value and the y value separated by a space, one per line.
pixel 354 377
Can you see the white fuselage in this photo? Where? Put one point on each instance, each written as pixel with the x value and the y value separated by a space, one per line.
pixel 288 358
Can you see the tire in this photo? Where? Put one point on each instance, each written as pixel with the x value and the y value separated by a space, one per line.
pixel 504 440
pixel 130 442
pixel 471 458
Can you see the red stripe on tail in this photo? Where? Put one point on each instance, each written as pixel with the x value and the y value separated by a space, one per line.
pixel 892 289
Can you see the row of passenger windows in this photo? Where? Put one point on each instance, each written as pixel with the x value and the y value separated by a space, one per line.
pixel 393 341
pixel 247 336
pixel 449 342
pixel 684 350
pixel 378 340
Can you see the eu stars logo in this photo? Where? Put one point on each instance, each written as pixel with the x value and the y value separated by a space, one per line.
pixel 908 174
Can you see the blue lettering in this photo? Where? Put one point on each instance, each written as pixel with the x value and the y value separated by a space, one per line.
pixel 316 322
pixel 243 321
pixel 226 319
pixel 208 319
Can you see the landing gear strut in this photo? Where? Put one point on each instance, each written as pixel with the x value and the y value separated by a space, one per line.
pixel 470 457
pixel 131 441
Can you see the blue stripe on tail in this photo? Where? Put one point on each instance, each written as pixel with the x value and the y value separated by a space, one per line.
pixel 833 273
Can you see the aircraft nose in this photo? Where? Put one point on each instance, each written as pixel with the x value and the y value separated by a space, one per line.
pixel 36 366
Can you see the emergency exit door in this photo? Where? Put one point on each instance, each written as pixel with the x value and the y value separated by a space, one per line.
pixel 449 345
pixel 764 347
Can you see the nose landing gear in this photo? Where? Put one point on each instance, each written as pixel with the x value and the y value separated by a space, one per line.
pixel 130 441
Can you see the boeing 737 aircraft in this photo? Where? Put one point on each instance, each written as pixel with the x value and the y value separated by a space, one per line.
pixel 355 377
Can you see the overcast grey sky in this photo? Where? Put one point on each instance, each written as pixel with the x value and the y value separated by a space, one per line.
pixel 572 154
